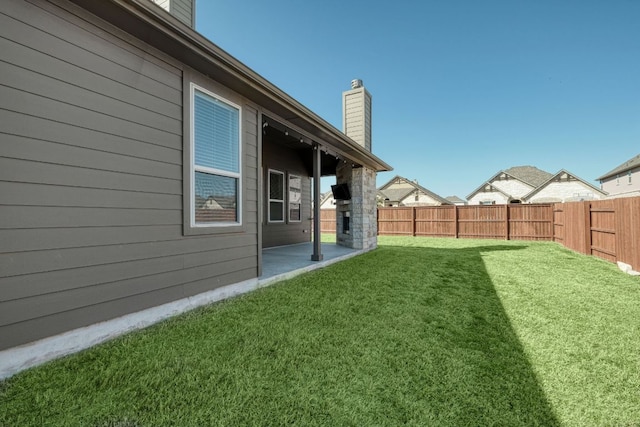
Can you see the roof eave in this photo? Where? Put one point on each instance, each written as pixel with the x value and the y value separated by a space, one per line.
pixel 154 26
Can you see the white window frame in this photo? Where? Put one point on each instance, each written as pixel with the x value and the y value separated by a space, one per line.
pixel 284 196
pixel 193 168
pixel 289 198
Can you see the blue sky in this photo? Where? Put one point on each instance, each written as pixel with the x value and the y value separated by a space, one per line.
pixel 461 88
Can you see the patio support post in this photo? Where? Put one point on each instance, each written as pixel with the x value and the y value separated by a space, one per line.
pixel 317 251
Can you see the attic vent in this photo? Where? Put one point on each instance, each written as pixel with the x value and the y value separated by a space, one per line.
pixel 356 83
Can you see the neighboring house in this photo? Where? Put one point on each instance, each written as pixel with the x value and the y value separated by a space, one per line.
pixel 456 200
pixel 327 201
pixel 143 168
pixel 624 180
pixel 564 187
pixel 528 184
pixel 508 186
pixel 400 191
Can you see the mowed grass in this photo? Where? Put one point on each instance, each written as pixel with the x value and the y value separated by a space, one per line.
pixel 422 332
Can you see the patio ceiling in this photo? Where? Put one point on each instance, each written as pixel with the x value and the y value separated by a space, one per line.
pixel 276 132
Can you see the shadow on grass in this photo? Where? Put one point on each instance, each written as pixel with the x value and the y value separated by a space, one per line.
pixel 476 371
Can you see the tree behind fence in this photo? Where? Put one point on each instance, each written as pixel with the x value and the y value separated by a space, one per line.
pixel 609 229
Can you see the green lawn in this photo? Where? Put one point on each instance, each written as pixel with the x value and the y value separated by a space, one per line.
pixel 422 332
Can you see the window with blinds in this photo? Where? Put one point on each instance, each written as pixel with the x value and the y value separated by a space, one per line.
pixel 216 160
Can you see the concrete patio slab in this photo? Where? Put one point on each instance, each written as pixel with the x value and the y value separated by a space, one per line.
pixel 285 262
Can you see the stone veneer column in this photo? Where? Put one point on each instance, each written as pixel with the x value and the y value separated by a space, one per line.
pixel 362 208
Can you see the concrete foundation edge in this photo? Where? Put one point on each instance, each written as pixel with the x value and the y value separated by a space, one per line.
pixel 27 356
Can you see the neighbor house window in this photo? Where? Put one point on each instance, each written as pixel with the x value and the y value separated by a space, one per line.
pixel 215 160
pixel 295 198
pixel 629 176
pixel 276 196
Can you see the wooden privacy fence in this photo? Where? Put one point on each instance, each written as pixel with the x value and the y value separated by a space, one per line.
pixel 511 222
pixel 608 229
pixel 327 220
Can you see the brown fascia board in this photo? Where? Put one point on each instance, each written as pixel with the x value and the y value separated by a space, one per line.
pixel 153 25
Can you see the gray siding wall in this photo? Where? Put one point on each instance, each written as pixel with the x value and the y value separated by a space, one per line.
pixel 91 177
pixel 183 10
pixel 288 161
pixel 621 185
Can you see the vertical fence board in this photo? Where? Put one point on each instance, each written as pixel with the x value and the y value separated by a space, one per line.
pixel 328 220
pixel 395 221
pixel 558 223
pixel 602 235
pixel 574 226
pixel 627 226
pixel 435 221
pixel 531 222
pixel 481 222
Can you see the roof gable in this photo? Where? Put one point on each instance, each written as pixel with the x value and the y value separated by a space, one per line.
pixel 405 188
pixel 487 186
pixel 560 174
pixel 529 175
pixel 629 164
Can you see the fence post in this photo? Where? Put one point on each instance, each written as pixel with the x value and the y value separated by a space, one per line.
pixel 413 221
pixel 455 221
pixel 506 222
pixel 587 228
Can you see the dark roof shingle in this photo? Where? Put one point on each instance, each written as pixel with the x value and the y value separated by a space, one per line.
pixel 529 174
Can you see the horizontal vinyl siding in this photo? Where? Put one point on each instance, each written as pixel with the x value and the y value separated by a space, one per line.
pixel 91 178
pixel 183 10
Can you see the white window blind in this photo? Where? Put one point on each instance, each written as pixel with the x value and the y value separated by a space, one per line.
pixel 216 160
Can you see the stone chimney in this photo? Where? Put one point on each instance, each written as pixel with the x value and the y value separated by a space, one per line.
pixel 356 114
pixel 184 10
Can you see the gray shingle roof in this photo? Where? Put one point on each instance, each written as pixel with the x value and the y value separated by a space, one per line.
pixel 529 174
pixel 398 194
pixel 629 164
pixel 455 199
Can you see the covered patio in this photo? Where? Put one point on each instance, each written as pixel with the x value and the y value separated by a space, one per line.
pixel 284 262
